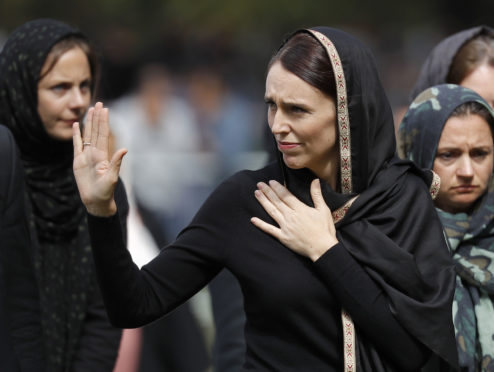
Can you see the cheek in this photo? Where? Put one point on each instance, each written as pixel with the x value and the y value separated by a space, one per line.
pixel 45 108
pixel 87 100
pixel 445 173
pixel 485 173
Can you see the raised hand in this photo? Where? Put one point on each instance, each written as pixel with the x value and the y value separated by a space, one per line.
pixel 305 230
pixel 96 175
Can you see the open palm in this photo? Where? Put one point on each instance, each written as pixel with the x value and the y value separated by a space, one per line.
pixel 95 174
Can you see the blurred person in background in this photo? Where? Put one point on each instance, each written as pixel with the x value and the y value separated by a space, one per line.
pixel 227 122
pixel 465 58
pixel 159 129
pixel 20 320
pixel 448 128
pixel 359 276
pixel 48 73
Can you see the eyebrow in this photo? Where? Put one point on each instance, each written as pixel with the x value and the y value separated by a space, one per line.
pixel 450 148
pixel 304 105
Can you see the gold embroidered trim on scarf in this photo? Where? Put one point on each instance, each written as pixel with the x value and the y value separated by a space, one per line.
pixel 342 112
pixel 348 342
pixel 346 180
pixel 349 358
pixel 341 211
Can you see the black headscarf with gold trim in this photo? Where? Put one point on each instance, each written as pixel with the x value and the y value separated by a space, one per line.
pixel 394 233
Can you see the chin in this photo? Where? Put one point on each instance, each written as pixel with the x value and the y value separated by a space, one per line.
pixel 292 164
pixel 463 205
pixel 65 135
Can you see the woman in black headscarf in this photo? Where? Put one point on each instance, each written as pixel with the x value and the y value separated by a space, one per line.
pixel 378 299
pixel 465 58
pixel 48 72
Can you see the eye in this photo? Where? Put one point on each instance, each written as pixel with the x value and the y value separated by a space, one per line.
pixel 479 153
pixel 270 104
pixel 447 156
pixel 60 88
pixel 297 109
pixel 86 86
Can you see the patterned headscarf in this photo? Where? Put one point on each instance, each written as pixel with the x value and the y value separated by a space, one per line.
pixel 470 237
pixel 63 258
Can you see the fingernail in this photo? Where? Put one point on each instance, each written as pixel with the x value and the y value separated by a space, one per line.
pixel 260 185
pixel 257 193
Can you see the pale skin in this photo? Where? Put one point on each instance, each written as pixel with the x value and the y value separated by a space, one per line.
pixel 464 161
pixel 303 121
pixel 96 176
pixel 481 80
pixel 64 93
pixel 303 116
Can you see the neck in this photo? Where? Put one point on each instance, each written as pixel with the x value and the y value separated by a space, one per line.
pixel 330 175
pixel 329 172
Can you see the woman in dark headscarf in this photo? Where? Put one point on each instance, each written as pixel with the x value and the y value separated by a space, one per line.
pixel 465 58
pixel 448 128
pixel 378 299
pixel 48 71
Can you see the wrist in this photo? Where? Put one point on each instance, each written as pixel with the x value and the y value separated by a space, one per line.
pixel 323 248
pixel 106 209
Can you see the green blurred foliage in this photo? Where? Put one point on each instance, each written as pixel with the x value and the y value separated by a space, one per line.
pixel 239 36
pixel 213 15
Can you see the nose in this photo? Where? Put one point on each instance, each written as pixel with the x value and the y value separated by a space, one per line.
pixel 78 99
pixel 466 167
pixel 279 124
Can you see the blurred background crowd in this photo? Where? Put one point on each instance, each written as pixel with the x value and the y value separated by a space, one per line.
pixel 184 81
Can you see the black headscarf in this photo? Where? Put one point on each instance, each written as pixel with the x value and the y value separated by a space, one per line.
pixel 436 67
pixel 63 258
pixel 392 232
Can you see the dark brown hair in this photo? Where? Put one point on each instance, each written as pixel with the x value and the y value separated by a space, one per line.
pixel 75 41
pixel 476 52
pixel 305 57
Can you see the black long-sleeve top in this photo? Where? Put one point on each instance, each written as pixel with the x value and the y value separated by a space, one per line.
pixel 20 319
pixel 293 305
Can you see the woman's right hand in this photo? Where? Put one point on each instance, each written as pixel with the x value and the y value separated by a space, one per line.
pixel 95 174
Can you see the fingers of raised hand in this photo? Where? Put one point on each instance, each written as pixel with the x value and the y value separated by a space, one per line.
pixel 116 161
pixel 103 130
pixel 76 139
pixel 88 126
pixel 97 119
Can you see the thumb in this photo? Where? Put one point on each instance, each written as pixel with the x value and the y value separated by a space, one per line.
pixel 316 194
pixel 116 161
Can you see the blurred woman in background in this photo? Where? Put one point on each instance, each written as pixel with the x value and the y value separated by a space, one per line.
pixel 48 73
pixel 465 58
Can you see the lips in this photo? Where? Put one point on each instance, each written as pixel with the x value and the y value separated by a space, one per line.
pixel 283 145
pixel 70 121
pixel 465 188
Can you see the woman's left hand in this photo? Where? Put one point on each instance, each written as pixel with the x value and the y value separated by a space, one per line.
pixel 305 230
